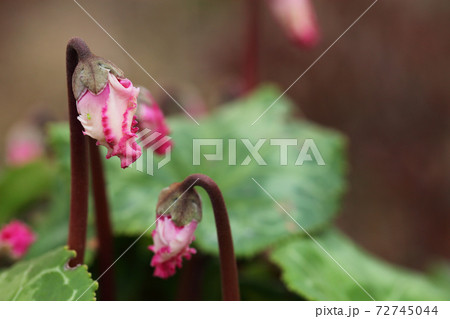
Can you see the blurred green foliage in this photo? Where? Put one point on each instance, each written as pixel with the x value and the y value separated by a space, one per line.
pixel 22 186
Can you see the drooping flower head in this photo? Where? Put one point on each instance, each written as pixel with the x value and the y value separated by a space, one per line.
pixel 17 238
pixel 106 103
pixel 24 144
pixel 150 117
pixel 171 245
pixel 298 19
pixel 178 215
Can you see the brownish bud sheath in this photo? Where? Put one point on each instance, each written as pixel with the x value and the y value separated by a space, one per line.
pixel 91 74
pixel 182 208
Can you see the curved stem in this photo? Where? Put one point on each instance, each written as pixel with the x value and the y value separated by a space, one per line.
pixel 228 267
pixel 77 50
pixel 103 224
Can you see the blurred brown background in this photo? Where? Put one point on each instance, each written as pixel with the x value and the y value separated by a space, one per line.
pixel 384 84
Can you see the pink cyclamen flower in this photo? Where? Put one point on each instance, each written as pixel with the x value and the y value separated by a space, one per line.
pixel 17 237
pixel 150 117
pixel 109 117
pixel 23 144
pixel 170 245
pixel 298 18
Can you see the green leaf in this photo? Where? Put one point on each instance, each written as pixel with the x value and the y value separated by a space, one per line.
pixel 47 278
pixel 21 186
pixel 313 192
pixel 310 272
pixel 439 272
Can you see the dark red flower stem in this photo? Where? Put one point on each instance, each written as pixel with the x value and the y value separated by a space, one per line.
pixel 103 224
pixel 228 267
pixel 77 50
pixel 191 279
pixel 251 74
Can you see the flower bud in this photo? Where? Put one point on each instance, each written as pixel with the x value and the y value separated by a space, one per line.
pixel 298 19
pixel 16 238
pixel 150 116
pixel 178 215
pixel 24 143
pixel 106 103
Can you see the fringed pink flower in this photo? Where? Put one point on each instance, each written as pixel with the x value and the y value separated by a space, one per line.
pixel 171 245
pixel 150 116
pixel 17 237
pixel 298 18
pixel 23 144
pixel 109 117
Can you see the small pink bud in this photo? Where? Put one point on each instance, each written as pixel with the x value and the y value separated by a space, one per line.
pixel 178 213
pixel 17 237
pixel 108 117
pixel 150 116
pixel 298 18
pixel 23 144
pixel 171 245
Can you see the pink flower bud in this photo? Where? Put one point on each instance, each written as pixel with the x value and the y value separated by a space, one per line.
pixel 17 237
pixel 170 245
pixel 298 19
pixel 23 144
pixel 150 116
pixel 109 118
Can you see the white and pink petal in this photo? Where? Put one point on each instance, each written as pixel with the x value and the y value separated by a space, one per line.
pixel 109 117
